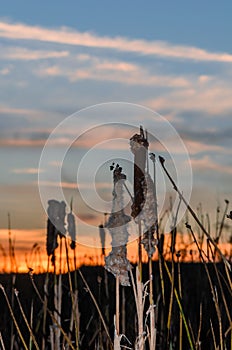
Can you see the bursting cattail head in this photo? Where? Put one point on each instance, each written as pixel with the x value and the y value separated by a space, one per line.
pixel 138 140
pixel 139 146
pixel 116 262
pixel 149 216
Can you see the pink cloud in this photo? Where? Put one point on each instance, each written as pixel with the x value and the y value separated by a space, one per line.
pixel 74 185
pixel 20 53
pixel 207 95
pixel 115 71
pixel 206 163
pixel 11 110
pixel 67 36
pixel 27 171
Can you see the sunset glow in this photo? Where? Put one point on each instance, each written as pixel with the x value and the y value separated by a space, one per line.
pixel 53 67
pixel 29 247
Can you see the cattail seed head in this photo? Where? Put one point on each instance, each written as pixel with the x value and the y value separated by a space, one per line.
pixel 56 213
pixel 116 262
pixel 139 146
pixel 55 224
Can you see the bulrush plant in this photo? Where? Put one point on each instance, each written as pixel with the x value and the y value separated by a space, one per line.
pixel 139 147
pixel 55 228
pixel 75 309
pixel 116 262
pixel 56 232
pixel 144 212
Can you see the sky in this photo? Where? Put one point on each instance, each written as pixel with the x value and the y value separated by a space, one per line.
pixel 58 58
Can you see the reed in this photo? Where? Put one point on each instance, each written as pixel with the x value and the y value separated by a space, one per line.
pixel 69 342
pixel 13 318
pixel 26 321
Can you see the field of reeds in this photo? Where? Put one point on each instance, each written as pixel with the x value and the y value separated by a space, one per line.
pixel 159 302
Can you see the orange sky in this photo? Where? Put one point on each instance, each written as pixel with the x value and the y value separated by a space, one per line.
pixel 32 251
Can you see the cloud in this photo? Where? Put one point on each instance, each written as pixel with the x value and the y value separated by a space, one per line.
pixel 74 185
pixel 5 71
pixel 196 147
pixel 27 171
pixel 25 54
pixel 113 71
pixel 213 97
pixel 207 164
pixel 11 110
pixel 208 136
pixel 68 36
pixel 21 142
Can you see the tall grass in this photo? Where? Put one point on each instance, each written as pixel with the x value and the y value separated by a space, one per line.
pixel 146 306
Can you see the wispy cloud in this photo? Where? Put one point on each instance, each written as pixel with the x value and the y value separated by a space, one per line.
pixel 4 109
pixel 74 185
pixel 25 54
pixel 73 37
pixel 207 164
pixel 5 71
pixel 27 171
pixel 113 71
pixel 21 142
pixel 196 147
pixel 212 97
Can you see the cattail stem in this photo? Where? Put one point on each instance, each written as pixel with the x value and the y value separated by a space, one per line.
pixel 27 324
pixel 199 329
pixel 213 334
pixel 1 342
pixel 162 160
pixel 97 307
pixel 180 293
pixel 221 225
pixel 140 250
pixel 140 310
pixel 117 306
pixel 12 303
pixel 45 303
pixel 75 267
pixel 173 233
pixel 13 318
pixel 123 311
pixel 72 295
pixel 152 310
pixel 153 159
pixel 161 277
pixel 51 314
pixel 211 287
pixel 180 308
pixel 56 331
pixel 31 322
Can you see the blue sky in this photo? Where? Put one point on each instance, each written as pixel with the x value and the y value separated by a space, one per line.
pixel 59 57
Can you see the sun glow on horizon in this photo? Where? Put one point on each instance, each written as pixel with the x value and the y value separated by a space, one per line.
pixel 20 254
